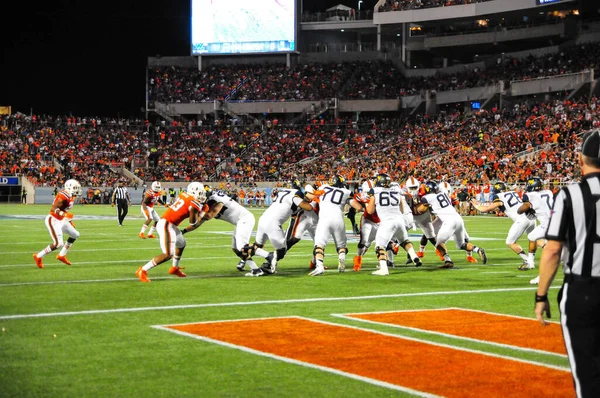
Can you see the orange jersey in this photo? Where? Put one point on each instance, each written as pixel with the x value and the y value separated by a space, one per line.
pixel 180 210
pixel 363 199
pixel 67 203
pixel 151 198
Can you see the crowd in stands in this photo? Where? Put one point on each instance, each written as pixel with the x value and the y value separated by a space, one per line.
pixel 402 5
pixel 351 80
pixel 48 149
pixel 509 144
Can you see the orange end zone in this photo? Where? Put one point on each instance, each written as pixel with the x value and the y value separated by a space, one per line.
pixel 415 365
pixel 496 328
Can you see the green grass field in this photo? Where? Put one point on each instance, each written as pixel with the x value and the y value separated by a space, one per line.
pixel 86 330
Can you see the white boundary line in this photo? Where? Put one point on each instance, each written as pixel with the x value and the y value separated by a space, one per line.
pixel 246 303
pixel 348 316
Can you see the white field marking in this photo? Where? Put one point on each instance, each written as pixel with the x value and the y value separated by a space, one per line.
pixel 128 249
pixel 301 363
pixel 512 347
pixel 264 302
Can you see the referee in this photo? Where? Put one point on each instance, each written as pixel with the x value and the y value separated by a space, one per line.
pixel 121 198
pixel 574 231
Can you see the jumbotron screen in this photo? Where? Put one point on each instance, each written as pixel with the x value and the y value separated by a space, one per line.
pixel 243 26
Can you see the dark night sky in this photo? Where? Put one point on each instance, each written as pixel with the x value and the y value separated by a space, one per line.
pixel 89 58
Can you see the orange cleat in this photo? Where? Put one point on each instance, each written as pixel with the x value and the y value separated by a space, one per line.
pixel 357 263
pixel 142 275
pixel 141 235
pixel 471 259
pixel 63 259
pixel 439 254
pixel 395 248
pixel 177 271
pixel 38 261
pixel 151 236
pixel 420 254
pixel 311 265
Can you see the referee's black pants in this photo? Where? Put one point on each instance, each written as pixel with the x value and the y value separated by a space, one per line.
pixel 579 303
pixel 122 209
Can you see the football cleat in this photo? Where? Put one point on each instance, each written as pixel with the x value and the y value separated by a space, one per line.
pixel 141 235
pixel 255 272
pixel 151 236
pixel 447 265
pixel 390 264
pixel 177 271
pixel 417 261
pixel 535 280
pixel 526 266
pixel 63 259
pixel 482 255
pixel 341 265
pixel 420 254
pixel 381 272
pixel 357 263
pixel 38 261
pixel 241 265
pixel 319 270
pixel 471 259
pixel 311 265
pixel 395 248
pixel 142 275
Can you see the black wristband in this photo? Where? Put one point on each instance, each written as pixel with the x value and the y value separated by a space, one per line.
pixel 541 299
pixel 183 231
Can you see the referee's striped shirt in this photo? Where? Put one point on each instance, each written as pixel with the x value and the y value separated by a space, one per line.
pixel 574 222
pixel 121 193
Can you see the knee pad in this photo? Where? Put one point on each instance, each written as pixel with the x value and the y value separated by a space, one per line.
pixel 248 251
pixel 403 244
pixel 342 250
pixel 280 253
pixel 381 253
pixel 71 239
pixel 238 253
pixel 318 250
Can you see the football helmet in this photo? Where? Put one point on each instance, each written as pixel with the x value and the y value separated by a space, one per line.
pixel 197 191
pixel 431 187
pixel 534 184
pixel 297 184
pixel 73 187
pixel 445 187
pixel 383 180
pixel 499 187
pixel 395 187
pixel 412 184
pixel 156 186
pixel 337 181
pixel 208 190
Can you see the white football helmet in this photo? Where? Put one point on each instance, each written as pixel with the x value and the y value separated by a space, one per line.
pixel 444 186
pixel 73 187
pixel 156 186
pixel 412 184
pixel 197 191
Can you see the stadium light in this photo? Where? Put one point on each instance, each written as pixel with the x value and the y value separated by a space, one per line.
pixel 359 3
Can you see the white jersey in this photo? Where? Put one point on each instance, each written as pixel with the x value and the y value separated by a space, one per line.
pixel 440 204
pixel 231 210
pixel 510 204
pixel 541 202
pixel 387 203
pixel 284 204
pixel 367 185
pixel 332 201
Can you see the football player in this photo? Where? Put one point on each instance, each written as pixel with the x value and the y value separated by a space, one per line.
pixel 331 223
pixel 172 242
pixel 151 197
pixel 422 220
pixel 230 211
pixel 285 202
pixel 387 202
pixel 452 223
pixel 368 222
pixel 537 204
pixel 509 202
pixel 59 222
pixel 304 221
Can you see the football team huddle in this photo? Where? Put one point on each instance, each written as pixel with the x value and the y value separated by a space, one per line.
pixel 388 211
